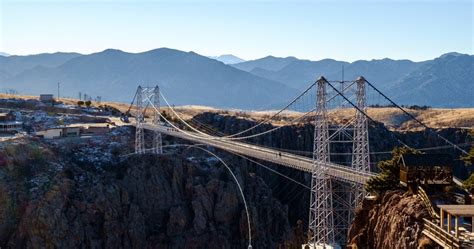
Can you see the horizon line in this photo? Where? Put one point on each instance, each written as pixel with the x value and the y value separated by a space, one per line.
pixel 227 53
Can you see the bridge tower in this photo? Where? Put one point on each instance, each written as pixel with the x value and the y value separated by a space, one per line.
pixel 321 223
pixel 139 119
pixel 360 151
pixel 145 97
pixel 157 140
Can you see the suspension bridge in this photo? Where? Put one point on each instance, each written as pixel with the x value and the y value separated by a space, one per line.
pixel 336 188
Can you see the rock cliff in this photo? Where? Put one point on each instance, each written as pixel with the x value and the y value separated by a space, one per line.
pixel 393 220
pixel 82 197
pixel 169 201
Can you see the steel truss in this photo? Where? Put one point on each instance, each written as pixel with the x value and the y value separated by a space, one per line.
pixel 333 201
pixel 321 223
pixel 146 96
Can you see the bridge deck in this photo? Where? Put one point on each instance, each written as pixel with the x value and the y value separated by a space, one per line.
pixel 270 155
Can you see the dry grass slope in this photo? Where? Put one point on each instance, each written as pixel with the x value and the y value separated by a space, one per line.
pixel 392 117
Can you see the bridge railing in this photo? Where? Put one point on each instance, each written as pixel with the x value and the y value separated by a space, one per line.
pixel 427 202
pixel 275 156
pixel 440 235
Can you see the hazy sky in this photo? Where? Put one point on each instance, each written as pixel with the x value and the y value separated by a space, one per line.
pixel 345 30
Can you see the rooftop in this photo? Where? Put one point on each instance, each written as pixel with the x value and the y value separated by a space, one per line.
pixel 427 160
pixel 459 210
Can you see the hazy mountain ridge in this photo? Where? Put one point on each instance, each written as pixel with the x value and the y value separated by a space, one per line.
pixel 184 77
pixel 407 81
pixel 269 63
pixel 228 59
pixel 447 80
pixel 15 64
pixel 189 78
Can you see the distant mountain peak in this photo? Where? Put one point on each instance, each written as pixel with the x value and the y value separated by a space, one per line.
pixel 227 59
pixel 451 54
pixel 4 54
pixel 276 57
pixel 112 51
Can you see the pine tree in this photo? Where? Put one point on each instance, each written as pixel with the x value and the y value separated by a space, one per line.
pixel 389 177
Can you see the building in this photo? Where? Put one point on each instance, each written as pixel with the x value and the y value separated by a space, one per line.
pixel 97 130
pixel 9 124
pixel 71 131
pixel 51 133
pixel 59 132
pixel 5 117
pixel 47 98
pixel 426 169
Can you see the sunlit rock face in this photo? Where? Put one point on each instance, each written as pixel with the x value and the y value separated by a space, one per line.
pixel 149 201
pixel 394 220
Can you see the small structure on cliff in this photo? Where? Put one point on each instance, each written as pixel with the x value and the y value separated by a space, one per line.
pixel 426 169
pixel 9 124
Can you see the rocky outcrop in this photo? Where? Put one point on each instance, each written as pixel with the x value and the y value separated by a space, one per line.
pixel 65 199
pixel 146 201
pixel 393 220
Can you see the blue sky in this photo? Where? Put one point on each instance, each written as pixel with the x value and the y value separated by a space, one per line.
pixel 344 30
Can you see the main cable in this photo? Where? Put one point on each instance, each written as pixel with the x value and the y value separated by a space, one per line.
pixel 417 120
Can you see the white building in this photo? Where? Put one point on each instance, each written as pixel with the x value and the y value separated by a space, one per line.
pixel 59 132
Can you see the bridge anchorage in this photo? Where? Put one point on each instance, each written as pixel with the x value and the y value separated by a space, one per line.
pixel 336 189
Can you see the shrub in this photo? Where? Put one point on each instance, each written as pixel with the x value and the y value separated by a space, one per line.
pixel 389 177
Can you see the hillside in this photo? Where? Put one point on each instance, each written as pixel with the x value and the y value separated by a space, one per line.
pixel 187 78
pixel 446 81
pixel 14 64
pixel 269 63
pixel 392 117
pixel 184 77
pixel 227 59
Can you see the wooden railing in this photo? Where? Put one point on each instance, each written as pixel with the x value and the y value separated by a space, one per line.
pixel 440 235
pixel 426 200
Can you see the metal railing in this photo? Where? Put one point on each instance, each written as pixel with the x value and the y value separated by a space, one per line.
pixel 271 155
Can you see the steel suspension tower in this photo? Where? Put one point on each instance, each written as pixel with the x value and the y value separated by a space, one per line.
pixel 321 223
pixel 157 141
pixel 139 119
pixel 360 151
pixel 145 97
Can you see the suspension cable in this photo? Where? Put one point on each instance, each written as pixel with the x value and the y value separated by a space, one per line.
pixel 133 100
pixel 231 137
pixel 238 184
pixel 361 111
pixel 417 120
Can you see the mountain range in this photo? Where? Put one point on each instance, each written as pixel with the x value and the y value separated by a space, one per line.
pixel 228 59
pixel 446 81
pixel 184 78
pixel 269 82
